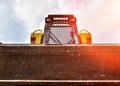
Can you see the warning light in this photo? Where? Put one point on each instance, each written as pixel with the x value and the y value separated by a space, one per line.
pixel 73 20
pixel 48 20
pixel 85 37
pixel 36 37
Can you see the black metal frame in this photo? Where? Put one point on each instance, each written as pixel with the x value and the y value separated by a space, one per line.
pixel 60 21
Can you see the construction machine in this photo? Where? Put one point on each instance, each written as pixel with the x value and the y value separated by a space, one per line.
pixel 61 29
pixel 61 56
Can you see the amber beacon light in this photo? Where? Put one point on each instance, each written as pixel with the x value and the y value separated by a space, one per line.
pixel 36 37
pixel 85 37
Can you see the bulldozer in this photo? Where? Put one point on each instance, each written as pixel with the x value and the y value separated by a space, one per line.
pixel 60 56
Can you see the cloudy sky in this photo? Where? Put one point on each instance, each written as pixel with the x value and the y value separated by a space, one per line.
pixel 18 18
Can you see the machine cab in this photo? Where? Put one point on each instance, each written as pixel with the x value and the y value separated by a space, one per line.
pixel 60 29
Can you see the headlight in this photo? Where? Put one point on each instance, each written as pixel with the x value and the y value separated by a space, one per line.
pixel 73 20
pixel 48 20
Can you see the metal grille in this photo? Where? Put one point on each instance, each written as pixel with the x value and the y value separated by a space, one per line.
pixel 62 34
pixel 60 25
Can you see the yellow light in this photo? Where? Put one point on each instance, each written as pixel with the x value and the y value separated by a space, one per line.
pixel 84 31
pixel 36 37
pixel 85 37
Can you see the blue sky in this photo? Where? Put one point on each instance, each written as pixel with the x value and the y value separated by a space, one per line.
pixel 18 18
pixel 11 29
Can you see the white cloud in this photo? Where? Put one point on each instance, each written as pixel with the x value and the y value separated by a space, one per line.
pixel 2 7
pixel 10 28
pixel 100 17
pixel 32 13
pixel 2 36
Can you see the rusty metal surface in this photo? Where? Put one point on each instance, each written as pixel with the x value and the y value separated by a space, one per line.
pixel 60 62
pixel 63 83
